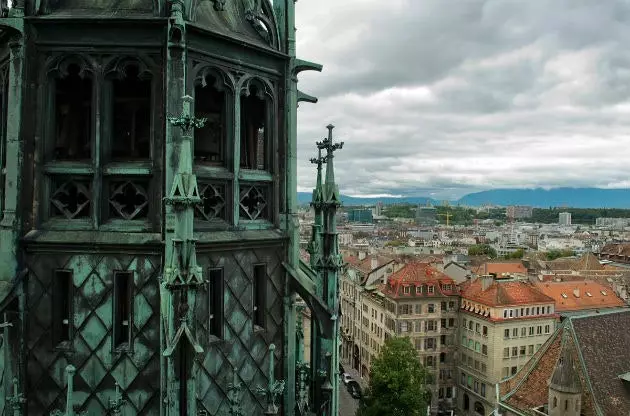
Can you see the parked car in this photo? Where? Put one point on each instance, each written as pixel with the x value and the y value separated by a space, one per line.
pixel 346 378
pixel 354 389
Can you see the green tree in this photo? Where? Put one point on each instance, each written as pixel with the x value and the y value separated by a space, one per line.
pixel 556 254
pixel 482 250
pixel 518 254
pixel 398 382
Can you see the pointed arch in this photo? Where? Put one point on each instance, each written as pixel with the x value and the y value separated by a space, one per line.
pixel 59 65
pixel 223 79
pixel 117 66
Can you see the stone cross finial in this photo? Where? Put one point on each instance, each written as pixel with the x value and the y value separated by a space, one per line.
pixel 319 160
pixel 274 388
pixel 117 403
pixel 234 392
pixel 327 143
pixel 70 371
pixel 186 121
pixel 17 400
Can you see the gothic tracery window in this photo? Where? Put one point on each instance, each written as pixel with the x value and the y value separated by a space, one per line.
pixel 131 127
pixel 210 103
pixel 99 144
pixel 73 115
pixel 254 128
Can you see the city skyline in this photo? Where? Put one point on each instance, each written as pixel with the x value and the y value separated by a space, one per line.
pixel 443 101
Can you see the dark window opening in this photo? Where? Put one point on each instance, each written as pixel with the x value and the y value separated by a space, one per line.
pixel 253 130
pixel 215 298
pixel 62 306
pixel 73 116
pixel 210 103
pixel 123 306
pixel 131 130
pixel 260 289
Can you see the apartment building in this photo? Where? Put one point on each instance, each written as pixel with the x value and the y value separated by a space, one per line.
pixel 502 324
pixel 372 334
pixel 362 271
pixel 421 303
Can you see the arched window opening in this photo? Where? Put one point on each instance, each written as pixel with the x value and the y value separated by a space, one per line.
pixel 254 129
pixel 566 405
pixel 73 116
pixel 210 103
pixel 131 130
pixel 555 402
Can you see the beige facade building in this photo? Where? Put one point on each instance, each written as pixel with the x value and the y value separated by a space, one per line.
pixel 502 325
pixel 362 275
pixel 422 303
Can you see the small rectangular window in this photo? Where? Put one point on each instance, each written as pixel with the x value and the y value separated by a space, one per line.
pixel 260 292
pixel 123 304
pixel 62 306
pixel 215 302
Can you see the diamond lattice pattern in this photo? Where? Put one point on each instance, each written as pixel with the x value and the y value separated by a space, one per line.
pixel 99 365
pixel 242 349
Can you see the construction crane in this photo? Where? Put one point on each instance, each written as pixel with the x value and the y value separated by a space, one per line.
pixel 448 216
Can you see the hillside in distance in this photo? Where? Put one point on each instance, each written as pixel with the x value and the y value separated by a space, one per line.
pixel 305 197
pixel 555 197
pixel 538 197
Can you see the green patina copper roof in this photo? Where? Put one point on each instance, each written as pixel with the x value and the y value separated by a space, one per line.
pixel 232 20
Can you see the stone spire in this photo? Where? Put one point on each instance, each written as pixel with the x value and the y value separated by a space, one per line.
pixel 565 376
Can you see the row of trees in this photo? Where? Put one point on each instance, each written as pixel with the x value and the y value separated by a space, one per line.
pixel 466 216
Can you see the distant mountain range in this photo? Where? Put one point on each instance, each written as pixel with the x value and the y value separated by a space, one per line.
pixel 540 198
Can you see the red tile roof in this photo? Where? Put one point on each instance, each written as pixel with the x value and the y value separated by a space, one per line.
pixel 580 295
pixel 419 274
pixel 504 293
pixel 500 268
pixel 365 265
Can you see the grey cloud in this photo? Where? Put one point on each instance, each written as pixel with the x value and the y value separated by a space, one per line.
pixel 444 95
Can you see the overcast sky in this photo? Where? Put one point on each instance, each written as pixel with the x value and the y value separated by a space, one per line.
pixel 445 97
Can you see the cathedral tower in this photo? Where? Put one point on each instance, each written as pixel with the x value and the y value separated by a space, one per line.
pixel 148 210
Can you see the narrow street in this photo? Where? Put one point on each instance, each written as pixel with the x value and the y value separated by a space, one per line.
pixel 347 405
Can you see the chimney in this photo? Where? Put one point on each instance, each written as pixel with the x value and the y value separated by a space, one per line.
pixel 362 255
pixel 576 292
pixel 374 262
pixel 486 281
